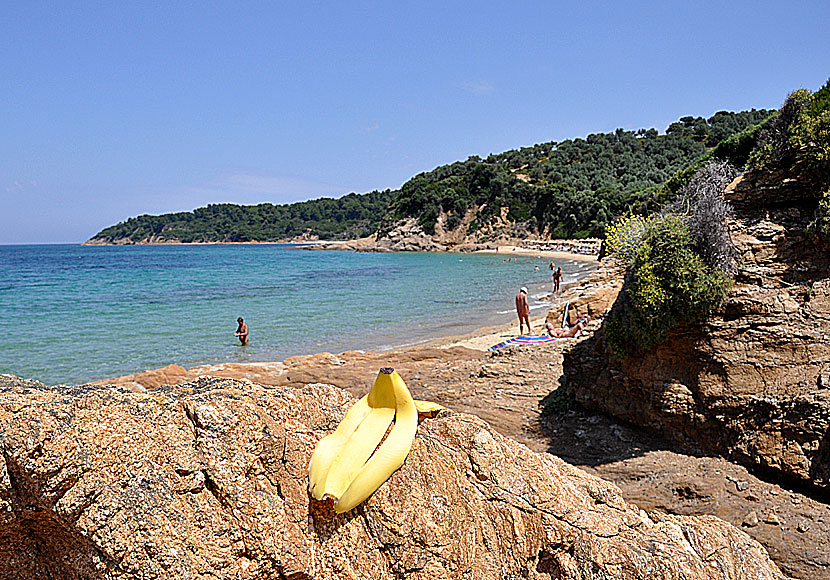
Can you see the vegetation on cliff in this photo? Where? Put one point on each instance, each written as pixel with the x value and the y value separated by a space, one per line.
pixel 680 263
pixel 566 189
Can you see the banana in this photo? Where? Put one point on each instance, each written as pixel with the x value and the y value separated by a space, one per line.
pixel 428 409
pixel 343 465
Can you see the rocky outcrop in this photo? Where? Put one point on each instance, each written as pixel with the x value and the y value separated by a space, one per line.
pixel 753 381
pixel 208 480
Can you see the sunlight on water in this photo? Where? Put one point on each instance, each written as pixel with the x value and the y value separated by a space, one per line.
pixel 78 313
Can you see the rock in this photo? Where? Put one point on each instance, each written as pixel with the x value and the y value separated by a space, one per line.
pixel 208 480
pixel 772 518
pixel 749 382
pixel 751 519
pixel 742 485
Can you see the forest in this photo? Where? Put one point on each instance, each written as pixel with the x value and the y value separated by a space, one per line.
pixel 351 216
pixel 561 189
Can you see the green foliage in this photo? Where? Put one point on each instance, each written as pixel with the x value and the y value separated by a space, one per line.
pixel 737 147
pixel 668 285
pixel 623 237
pixel 821 225
pixel 732 135
pixel 798 138
pixel 566 189
pixel 350 216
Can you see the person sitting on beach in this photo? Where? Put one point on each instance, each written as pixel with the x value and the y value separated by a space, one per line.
pixel 242 331
pixel 566 332
pixel 523 309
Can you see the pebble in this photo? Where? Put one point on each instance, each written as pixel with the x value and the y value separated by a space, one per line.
pixel 772 518
pixel 751 520
pixel 742 485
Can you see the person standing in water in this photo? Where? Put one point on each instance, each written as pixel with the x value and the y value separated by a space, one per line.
pixel 557 278
pixel 242 331
pixel 523 309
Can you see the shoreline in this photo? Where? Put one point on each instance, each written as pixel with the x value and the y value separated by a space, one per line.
pixel 475 343
pixel 518 250
pixel 361 245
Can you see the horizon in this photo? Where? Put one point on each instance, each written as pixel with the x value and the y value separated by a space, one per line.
pixel 115 112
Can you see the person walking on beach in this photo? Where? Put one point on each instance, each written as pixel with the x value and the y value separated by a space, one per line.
pixel 557 278
pixel 242 331
pixel 552 267
pixel 523 309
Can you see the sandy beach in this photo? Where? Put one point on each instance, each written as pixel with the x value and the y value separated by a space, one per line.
pixel 520 251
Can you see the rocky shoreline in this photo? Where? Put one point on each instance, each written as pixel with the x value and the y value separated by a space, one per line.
pixel 517 390
pixel 509 389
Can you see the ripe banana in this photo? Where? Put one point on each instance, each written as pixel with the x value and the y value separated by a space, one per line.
pixel 343 466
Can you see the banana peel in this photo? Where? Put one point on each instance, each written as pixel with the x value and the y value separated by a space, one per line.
pixel 347 465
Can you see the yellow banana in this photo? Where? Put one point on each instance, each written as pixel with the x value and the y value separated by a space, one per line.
pixel 343 466
pixel 428 408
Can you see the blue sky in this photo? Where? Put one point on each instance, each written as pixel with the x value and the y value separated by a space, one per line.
pixel 111 110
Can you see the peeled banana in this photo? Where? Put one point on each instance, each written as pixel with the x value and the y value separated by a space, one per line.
pixel 345 465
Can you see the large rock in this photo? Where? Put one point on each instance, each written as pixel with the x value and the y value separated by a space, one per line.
pixel 751 382
pixel 208 480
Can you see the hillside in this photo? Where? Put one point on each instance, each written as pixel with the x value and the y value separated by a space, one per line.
pixel 566 189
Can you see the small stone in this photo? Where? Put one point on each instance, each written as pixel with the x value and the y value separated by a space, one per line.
pixel 751 520
pixel 772 518
pixel 742 485
pixel 802 527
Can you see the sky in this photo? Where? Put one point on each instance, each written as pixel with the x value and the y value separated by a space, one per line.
pixel 112 110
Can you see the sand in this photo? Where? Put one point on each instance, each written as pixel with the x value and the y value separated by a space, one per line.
pixel 519 251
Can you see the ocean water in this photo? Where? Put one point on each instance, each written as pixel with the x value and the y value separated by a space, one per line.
pixel 78 313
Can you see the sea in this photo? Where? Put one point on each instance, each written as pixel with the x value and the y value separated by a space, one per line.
pixel 73 314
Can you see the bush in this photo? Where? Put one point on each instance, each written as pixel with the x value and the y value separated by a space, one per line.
pixel 668 284
pixel 701 206
pixel 624 235
pixel 821 225
pixel 737 148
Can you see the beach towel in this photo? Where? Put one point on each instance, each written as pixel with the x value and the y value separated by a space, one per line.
pixel 525 339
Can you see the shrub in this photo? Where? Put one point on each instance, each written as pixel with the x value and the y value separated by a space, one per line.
pixel 623 236
pixel 668 285
pixel 737 148
pixel 701 206
pixel 821 225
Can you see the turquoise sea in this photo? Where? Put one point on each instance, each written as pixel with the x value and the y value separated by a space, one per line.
pixel 78 313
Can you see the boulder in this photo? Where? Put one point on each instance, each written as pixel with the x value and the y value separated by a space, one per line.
pixel 208 480
pixel 749 382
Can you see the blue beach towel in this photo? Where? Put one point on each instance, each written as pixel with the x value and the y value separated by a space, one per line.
pixel 525 339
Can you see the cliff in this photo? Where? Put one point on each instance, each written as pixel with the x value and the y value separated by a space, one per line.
pixel 753 381
pixel 208 480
